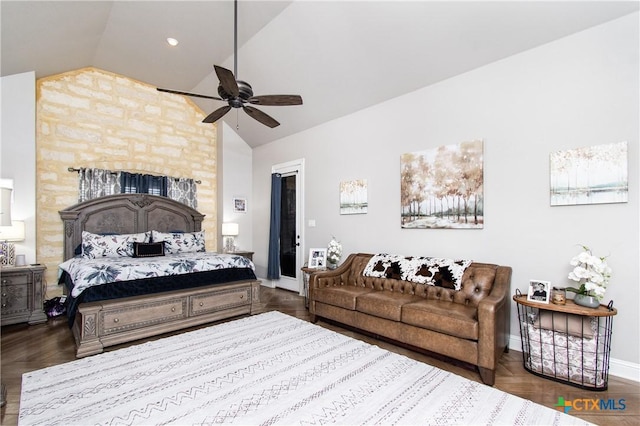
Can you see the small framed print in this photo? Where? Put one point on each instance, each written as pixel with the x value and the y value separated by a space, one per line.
pixel 539 291
pixel 240 205
pixel 7 254
pixel 318 258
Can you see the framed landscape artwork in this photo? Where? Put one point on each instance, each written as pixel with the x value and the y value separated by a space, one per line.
pixel 590 175
pixel 353 196
pixel 443 187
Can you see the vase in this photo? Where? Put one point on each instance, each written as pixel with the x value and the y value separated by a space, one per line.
pixel 331 265
pixel 586 301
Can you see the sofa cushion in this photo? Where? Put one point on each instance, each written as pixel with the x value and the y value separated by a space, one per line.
pixel 384 304
pixel 442 316
pixel 343 296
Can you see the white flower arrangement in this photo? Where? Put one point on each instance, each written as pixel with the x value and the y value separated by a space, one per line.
pixel 591 272
pixel 334 251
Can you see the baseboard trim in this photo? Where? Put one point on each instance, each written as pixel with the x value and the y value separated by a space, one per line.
pixel 617 367
pixel 268 283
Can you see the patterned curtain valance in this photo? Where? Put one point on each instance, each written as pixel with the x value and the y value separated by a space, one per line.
pixel 94 183
pixel 183 190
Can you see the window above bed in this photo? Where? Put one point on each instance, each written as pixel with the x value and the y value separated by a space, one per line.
pixel 137 183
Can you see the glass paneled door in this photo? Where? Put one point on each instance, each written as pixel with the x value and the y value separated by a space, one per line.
pixel 291 238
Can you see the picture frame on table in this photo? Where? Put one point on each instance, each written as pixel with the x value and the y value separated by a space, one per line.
pixel 318 258
pixel 539 291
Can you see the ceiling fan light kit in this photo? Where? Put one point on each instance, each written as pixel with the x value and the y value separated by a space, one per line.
pixel 238 93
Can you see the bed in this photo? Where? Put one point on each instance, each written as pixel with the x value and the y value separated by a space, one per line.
pixel 129 309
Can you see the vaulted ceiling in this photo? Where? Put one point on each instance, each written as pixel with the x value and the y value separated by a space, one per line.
pixel 340 56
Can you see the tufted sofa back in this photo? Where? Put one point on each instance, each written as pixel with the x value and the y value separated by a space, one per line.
pixel 477 282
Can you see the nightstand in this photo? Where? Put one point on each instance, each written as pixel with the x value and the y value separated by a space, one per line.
pixel 22 294
pixel 247 254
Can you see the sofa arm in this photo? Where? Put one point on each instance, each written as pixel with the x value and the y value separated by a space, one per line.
pixel 330 277
pixel 493 320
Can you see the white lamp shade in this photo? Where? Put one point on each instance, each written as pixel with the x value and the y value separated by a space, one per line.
pixel 230 229
pixel 15 232
pixel 5 207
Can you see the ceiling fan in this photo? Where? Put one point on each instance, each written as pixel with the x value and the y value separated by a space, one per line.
pixel 238 93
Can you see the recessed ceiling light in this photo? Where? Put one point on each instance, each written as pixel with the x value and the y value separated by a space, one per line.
pixel 172 41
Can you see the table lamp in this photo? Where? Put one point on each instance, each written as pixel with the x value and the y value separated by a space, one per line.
pixel 229 232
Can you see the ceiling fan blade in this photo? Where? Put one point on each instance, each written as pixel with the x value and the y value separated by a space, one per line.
pixel 217 114
pixel 260 116
pixel 177 92
pixel 227 81
pixel 276 100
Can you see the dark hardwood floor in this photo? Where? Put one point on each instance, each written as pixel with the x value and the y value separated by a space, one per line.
pixel 26 348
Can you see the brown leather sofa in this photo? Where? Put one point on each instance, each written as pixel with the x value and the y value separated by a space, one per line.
pixel 471 324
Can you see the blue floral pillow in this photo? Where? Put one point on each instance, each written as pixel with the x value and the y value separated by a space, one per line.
pixel 180 242
pixel 95 246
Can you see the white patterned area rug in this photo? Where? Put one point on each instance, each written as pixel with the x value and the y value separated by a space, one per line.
pixel 262 370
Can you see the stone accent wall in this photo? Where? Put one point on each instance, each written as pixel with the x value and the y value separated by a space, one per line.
pixel 94 118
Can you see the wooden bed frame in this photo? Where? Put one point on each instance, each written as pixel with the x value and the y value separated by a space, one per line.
pixel 106 323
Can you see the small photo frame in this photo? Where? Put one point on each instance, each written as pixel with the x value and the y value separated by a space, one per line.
pixel 539 291
pixel 240 205
pixel 7 254
pixel 318 258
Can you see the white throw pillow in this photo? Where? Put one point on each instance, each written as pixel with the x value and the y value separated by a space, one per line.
pixel 95 246
pixel 180 242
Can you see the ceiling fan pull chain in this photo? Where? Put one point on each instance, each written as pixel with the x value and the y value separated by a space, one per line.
pixel 235 38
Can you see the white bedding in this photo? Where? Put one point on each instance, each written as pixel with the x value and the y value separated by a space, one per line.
pixel 86 273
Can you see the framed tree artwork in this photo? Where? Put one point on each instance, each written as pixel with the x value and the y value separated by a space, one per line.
pixel 589 175
pixel 443 187
pixel 353 196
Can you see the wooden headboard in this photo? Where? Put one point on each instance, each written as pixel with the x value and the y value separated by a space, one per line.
pixel 126 214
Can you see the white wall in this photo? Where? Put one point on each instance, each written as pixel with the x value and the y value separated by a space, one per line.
pixel 236 183
pixel 579 91
pixel 18 93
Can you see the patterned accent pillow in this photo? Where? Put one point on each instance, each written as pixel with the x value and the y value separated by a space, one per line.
pixel 95 246
pixel 439 272
pixel 180 242
pixel 385 266
pixel 434 271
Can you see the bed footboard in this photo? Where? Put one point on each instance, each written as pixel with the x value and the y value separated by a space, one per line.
pixel 101 324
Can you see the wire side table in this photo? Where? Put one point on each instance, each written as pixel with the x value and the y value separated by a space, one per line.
pixel 306 274
pixel 566 343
